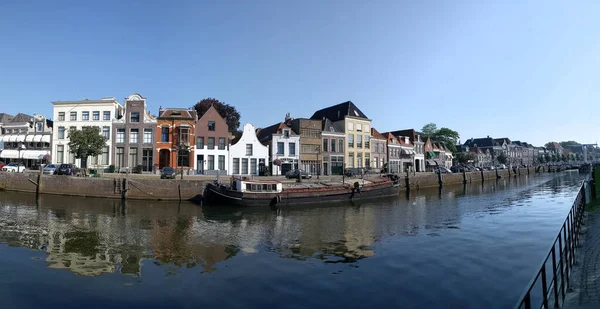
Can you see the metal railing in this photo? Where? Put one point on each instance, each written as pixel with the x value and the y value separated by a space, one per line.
pixel 552 281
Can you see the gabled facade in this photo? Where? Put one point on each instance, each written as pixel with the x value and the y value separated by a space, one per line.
pixel 407 154
pixel 334 142
pixel 495 147
pixel 248 156
pixel 175 138
pixel 311 153
pixel 418 143
pixel 133 133
pixel 379 150
pixel 357 127
pixel 26 139
pixel 284 148
pixel 212 144
pixel 394 149
pixel 76 115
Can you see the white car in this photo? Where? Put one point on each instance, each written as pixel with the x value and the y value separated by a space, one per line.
pixel 14 168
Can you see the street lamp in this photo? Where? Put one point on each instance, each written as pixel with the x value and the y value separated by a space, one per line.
pixel 21 147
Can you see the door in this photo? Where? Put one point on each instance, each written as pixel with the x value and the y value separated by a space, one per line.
pixel 163 158
pixel 200 164
pixel 285 167
pixel 325 168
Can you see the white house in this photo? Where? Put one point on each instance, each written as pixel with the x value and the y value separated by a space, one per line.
pixel 284 147
pixel 248 156
pixel 27 139
pixel 77 114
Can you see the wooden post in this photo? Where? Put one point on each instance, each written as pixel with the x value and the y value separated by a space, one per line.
pixel 124 189
pixel 407 181
pixel 482 178
pixel 464 177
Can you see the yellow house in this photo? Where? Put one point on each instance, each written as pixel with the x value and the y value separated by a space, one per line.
pixel 357 127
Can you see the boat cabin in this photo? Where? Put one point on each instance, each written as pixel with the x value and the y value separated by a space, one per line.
pixel 256 186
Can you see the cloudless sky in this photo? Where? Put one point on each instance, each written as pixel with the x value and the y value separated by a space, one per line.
pixel 527 70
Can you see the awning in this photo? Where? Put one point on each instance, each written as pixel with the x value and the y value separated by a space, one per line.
pixel 431 153
pixel 29 138
pixel 34 154
pixel 46 139
pixel 2 137
pixel 37 138
pixel 9 154
pixel 430 162
pixel 20 138
pixel 10 138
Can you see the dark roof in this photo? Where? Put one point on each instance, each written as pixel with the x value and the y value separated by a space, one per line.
pixel 20 117
pixel 462 148
pixel 180 113
pixel 6 118
pixel 411 133
pixel 265 134
pixel 328 125
pixel 480 142
pixel 378 135
pixel 499 141
pixel 339 112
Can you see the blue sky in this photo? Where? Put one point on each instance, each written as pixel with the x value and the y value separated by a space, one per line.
pixel 528 70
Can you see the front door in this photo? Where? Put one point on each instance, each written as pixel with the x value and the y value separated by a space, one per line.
pixel 163 158
pixel 325 168
pixel 200 164
pixel 285 167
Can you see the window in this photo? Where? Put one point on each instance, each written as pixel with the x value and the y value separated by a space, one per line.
pixel 60 153
pixel 183 158
pixel 200 142
pixel 211 126
pixel 359 141
pixel 134 117
pixel 85 116
pixel 341 145
pixel 248 150
pixel 120 136
pixel 104 155
pixel 133 136
pixel 61 116
pixel 292 149
pixel 120 155
pixel 280 146
pixel 236 165
pixel 359 159
pixel 71 158
pixel 367 160
pixel 211 162
pixel 96 115
pixel 359 127
pixel 350 140
pixel 39 126
pixel 332 145
pixel 253 169
pixel 164 134
pixel 73 116
pixel 221 143
pixel 211 143
pixel 61 132
pixel 147 136
pixel 350 126
pixel 286 133
pixel 221 163
pixel 325 144
pixel 366 128
pixel 106 132
pixel 147 159
pixel 245 166
pixel 367 141
pixel 106 115
pixel 351 160
pixel 184 135
pixel 133 157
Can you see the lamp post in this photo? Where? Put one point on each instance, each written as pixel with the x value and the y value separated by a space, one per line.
pixel 21 147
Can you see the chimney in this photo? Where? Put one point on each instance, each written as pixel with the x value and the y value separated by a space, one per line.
pixel 160 110
pixel 287 117
pixel 488 136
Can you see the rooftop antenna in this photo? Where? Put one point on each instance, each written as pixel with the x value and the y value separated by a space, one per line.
pixel 82 97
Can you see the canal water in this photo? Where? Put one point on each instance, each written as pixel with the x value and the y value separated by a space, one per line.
pixel 473 246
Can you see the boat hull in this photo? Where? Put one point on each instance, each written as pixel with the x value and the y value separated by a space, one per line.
pixel 220 195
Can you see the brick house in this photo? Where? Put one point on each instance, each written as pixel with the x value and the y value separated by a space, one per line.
pixel 379 150
pixel 175 140
pixel 212 144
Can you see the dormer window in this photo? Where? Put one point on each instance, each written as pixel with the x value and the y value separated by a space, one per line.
pixel 356 113
pixel 39 126
pixel 331 129
pixel 286 133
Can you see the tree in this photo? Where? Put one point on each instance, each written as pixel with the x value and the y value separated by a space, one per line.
pixel 501 158
pixel 547 157
pixel 87 142
pixel 579 157
pixel 228 112
pixel 447 137
pixel 465 157
pixel 549 144
pixel 569 143
pixel 541 159
pixel 429 129
pixel 563 158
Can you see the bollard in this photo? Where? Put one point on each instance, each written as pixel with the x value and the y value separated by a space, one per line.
pixel 124 189
pixel 482 178
pixel 440 179
pixel 407 181
pixel 464 177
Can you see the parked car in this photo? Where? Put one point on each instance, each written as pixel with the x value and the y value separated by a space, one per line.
pixel 67 169
pixel 14 167
pixel 501 166
pixel 168 172
pixel 443 170
pixel 294 174
pixel 49 169
pixel 2 164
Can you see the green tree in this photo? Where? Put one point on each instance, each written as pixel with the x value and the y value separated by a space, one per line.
pixel 547 157
pixel 501 158
pixel 564 158
pixel 541 159
pixel 228 112
pixel 549 145
pixel 87 142
pixel 579 157
pixel 569 143
pixel 448 137
pixel 429 129
pixel 465 157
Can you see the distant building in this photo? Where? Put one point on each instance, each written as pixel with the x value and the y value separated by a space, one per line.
pixel 379 150
pixel 212 144
pixel 311 154
pixel 248 156
pixel 334 141
pixel 284 147
pixel 26 138
pixel 175 138
pixel 419 147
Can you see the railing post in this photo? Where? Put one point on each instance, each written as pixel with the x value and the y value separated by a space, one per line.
pixel 544 286
pixel 560 263
pixel 527 300
pixel 554 278
pixel 567 263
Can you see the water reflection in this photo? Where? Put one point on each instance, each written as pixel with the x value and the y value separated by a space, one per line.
pixel 421 235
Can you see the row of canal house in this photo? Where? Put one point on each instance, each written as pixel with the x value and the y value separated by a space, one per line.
pixel 25 138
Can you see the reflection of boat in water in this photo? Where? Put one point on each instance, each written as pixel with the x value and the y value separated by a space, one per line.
pixel 244 192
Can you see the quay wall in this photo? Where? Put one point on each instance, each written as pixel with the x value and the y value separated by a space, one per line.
pixel 153 188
